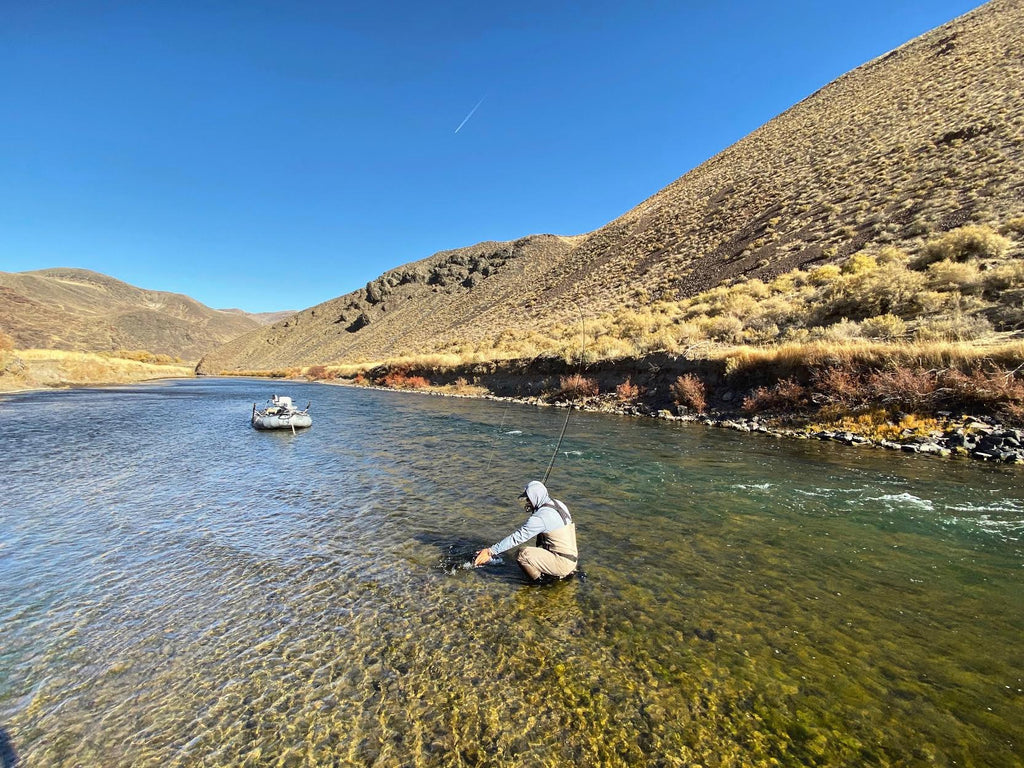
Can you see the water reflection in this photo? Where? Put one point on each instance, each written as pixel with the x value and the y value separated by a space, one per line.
pixel 185 590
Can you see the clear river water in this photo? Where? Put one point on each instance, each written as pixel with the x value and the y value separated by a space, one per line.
pixel 179 589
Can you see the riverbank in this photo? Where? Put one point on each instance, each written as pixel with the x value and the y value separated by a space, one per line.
pixel 977 437
pixel 39 369
pixel 947 402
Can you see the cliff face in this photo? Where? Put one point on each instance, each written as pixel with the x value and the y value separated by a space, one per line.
pixel 75 309
pixel 922 140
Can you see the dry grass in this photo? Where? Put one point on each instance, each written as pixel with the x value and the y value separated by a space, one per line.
pixel 880 424
pixel 885 206
pixel 320 373
pixel 874 354
pixel 461 386
pixel 80 310
pixel 802 318
pixel 39 368
pixel 883 295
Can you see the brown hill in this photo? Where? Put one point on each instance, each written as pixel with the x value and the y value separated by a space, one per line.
pixel 263 318
pixel 923 140
pixel 75 309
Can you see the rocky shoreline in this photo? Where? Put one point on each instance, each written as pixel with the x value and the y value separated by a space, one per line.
pixel 980 438
pixel 976 438
pixel 750 399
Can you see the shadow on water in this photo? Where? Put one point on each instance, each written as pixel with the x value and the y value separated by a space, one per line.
pixel 454 554
pixel 8 757
pixel 457 555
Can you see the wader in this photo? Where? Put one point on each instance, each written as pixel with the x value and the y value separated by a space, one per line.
pixel 555 554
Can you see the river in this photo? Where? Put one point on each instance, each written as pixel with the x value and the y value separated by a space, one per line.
pixel 179 589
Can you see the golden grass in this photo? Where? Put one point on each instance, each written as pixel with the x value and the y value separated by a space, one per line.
pixel 462 387
pixel 880 425
pixel 39 368
pixel 880 302
pixel 957 355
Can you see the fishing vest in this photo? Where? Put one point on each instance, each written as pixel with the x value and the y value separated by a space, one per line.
pixel 561 541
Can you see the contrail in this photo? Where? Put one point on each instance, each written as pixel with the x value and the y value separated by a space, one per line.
pixel 474 109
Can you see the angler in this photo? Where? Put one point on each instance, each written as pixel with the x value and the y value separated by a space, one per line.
pixel 556 553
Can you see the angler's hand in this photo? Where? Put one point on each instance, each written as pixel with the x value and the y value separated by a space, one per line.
pixel 483 557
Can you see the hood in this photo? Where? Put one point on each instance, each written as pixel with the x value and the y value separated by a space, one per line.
pixel 536 493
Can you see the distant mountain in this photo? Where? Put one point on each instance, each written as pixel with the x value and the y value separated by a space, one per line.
pixel 77 309
pixel 920 141
pixel 263 318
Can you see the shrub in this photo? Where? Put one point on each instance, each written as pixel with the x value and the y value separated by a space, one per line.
pixel 873 291
pixel 631 323
pixel 725 329
pixel 824 275
pixel 320 373
pixel 609 347
pixel 756 288
pixel 837 386
pixel 957 328
pixel 738 305
pixel 627 391
pixel 904 388
pixel 859 263
pixel 935 302
pixel 761 333
pixel 1005 276
pixel 786 396
pixel 891 255
pixel 949 275
pixel 885 327
pixel 416 382
pixel 844 330
pixel 399 378
pixel 688 390
pixel 975 241
pixel 1013 228
pixel 575 387
pixel 994 389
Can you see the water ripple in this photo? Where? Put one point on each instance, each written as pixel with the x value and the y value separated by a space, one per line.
pixel 181 590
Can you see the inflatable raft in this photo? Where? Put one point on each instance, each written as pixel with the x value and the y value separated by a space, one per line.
pixel 281 414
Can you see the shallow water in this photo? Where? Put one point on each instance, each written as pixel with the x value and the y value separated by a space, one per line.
pixel 179 589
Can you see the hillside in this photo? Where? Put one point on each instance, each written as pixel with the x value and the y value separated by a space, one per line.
pixel 917 143
pixel 75 309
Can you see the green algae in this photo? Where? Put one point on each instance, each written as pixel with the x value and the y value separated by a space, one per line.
pixel 746 604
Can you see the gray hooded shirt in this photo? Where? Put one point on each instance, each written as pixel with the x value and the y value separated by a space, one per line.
pixel 550 522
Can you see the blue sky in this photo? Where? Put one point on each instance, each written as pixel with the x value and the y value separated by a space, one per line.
pixel 273 155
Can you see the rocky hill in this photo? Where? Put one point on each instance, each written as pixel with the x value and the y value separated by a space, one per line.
pixel 75 309
pixel 923 140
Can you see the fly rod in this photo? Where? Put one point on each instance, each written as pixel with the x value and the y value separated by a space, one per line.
pixel 579 381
